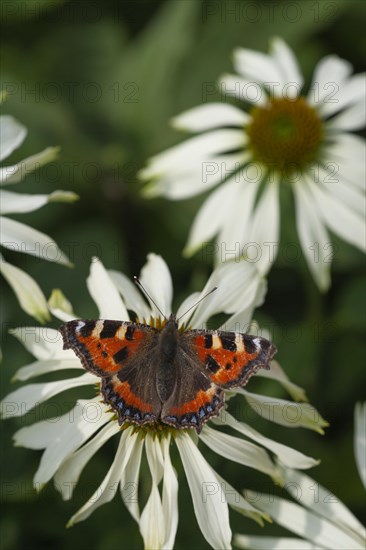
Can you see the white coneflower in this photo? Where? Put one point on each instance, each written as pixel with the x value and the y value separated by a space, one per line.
pixel 285 138
pixel 84 429
pixel 17 236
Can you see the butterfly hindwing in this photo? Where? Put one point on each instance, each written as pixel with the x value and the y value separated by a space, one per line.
pixel 231 358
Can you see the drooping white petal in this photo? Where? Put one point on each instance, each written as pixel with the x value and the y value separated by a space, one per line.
pixel 199 147
pixel 209 503
pixel 170 497
pixel 70 470
pixel 340 219
pixel 42 342
pixel 237 284
pixel 156 278
pixel 313 236
pixel 41 434
pixel 17 172
pixel 287 63
pixel 105 294
pixel 130 479
pixel 339 187
pixel 25 398
pixel 200 176
pixel 320 500
pixel 258 66
pixel 347 154
pixel 289 457
pixel 19 237
pixel 360 440
pixel 132 297
pixel 152 520
pixel 19 203
pixel 28 292
pixel 232 85
pixel 106 491
pixel 211 217
pixel 240 451
pixel 208 116
pixel 241 321
pixel 305 523
pixel 329 74
pixel 352 118
pixel 285 413
pixel 12 135
pixel 277 373
pixel 265 234
pixel 187 304
pixel 274 543
pixel 45 366
pixel 352 91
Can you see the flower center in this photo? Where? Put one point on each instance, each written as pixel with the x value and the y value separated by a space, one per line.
pixel 285 134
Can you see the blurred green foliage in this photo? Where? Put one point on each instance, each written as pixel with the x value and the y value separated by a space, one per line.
pixel 101 80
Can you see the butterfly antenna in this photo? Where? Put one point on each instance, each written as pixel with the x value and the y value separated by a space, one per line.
pixel 139 283
pixel 199 301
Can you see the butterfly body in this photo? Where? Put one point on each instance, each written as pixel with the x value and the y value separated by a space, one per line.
pixel 169 376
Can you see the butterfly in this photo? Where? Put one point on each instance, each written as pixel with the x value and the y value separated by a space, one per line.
pixel 165 375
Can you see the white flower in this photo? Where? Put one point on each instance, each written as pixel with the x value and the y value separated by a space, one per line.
pixel 286 140
pixel 321 519
pixel 84 429
pixel 17 236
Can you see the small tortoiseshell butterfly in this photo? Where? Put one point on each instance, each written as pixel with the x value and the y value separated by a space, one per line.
pixel 167 375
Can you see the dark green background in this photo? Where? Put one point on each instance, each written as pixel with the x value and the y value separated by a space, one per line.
pixel 106 77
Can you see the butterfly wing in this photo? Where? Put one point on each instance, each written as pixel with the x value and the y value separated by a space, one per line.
pixel 231 358
pixel 124 356
pixel 195 398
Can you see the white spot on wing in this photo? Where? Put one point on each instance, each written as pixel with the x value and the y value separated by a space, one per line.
pixel 239 343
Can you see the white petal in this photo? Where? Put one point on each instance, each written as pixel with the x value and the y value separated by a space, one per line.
pixel 45 366
pixel 305 523
pixel 12 135
pixel 130 479
pixel 352 118
pixel 277 373
pixel 238 503
pixel 210 507
pixel 232 85
pixel 347 154
pixel 237 289
pixel 43 342
pixel 340 219
pixel 360 440
pixel 351 91
pixel 17 172
pixel 335 184
pixel 289 457
pixel 199 176
pixel 60 306
pixel 240 451
pixel 314 238
pixel 105 294
pixel 289 67
pixel 106 491
pixel 131 296
pixel 22 238
pixel 265 226
pixel 199 147
pixel 19 203
pixel 170 497
pixel 70 470
pixel 23 399
pixel 274 543
pixel 210 115
pixel 187 304
pixel 156 278
pixel 329 75
pixel 41 434
pixel 211 216
pixel 29 294
pixel 321 501
pixel 257 66
pixel 285 413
